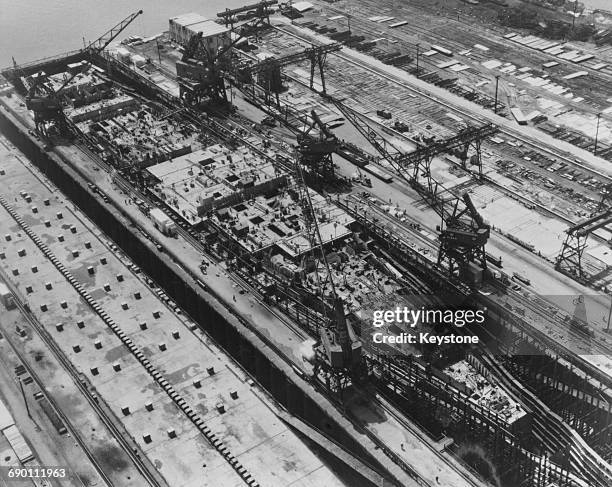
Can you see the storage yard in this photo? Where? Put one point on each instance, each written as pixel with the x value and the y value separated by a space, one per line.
pixel 208 236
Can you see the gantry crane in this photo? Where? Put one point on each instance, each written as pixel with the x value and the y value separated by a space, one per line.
pixel 46 102
pixel 463 232
pixel 570 257
pixel 198 72
pixel 606 199
pixel 338 357
pixel 201 73
pixel 269 70
pixel 316 151
pixel 261 9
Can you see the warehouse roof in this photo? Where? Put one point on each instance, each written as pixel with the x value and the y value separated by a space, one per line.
pixel 188 19
pixel 302 6
pixel 208 28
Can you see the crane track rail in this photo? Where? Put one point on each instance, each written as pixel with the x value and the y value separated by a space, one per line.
pixel 415 282
pixel 553 430
pixel 390 409
pixel 425 34
pixel 125 186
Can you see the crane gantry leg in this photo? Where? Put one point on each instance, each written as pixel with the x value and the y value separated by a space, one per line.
pixel 569 259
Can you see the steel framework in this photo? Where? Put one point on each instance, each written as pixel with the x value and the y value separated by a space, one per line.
pixel 570 257
pixel 463 232
pixel 269 73
pixel 261 9
pixel 46 102
pixel 606 199
pixel 316 152
pixel 201 73
pixel 338 356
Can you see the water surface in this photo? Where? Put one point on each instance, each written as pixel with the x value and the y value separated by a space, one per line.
pixel 33 29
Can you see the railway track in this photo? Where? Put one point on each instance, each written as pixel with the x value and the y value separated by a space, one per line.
pixel 536 146
pixel 540 308
pixel 121 182
pixel 407 33
pixel 553 431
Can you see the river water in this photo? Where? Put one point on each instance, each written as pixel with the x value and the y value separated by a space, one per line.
pixel 601 4
pixel 33 29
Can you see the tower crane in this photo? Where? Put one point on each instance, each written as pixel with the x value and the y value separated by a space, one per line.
pixel 338 354
pixel 316 151
pixel 201 72
pixel 46 102
pixel 463 233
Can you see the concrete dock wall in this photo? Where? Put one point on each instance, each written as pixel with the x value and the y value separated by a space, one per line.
pixel 253 354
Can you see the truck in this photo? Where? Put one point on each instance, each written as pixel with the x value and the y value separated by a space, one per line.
pixel 163 222
pixel 6 297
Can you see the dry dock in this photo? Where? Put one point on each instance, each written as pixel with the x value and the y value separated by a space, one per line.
pixel 230 430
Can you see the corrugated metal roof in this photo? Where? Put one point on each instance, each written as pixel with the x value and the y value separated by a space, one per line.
pixel 188 19
pixel 208 28
pixel 18 444
pixel 302 6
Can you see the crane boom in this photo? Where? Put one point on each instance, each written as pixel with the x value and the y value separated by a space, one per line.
pixel 48 107
pixel 105 39
pixel 307 53
pixel 340 344
pixel 264 4
pixel 465 136
pixel 384 147
pixel 463 233
pixel 322 127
